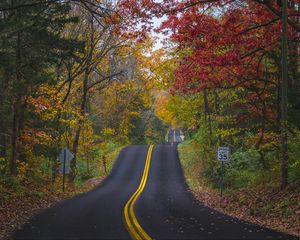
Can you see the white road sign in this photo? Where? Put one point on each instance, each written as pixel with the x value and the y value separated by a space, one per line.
pixel 67 168
pixel 67 156
pixel 223 154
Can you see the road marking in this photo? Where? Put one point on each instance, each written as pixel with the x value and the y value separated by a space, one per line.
pixel 174 136
pixel 134 228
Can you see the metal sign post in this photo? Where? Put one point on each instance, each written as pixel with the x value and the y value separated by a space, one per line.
pixel 65 158
pixel 64 171
pixel 222 178
pixel 223 156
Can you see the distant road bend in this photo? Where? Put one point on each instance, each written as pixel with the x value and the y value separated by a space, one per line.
pixel 144 197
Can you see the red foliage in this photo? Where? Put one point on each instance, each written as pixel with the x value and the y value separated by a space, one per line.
pixel 224 44
pixel 223 50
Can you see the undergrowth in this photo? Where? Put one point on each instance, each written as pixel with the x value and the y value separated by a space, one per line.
pixel 251 191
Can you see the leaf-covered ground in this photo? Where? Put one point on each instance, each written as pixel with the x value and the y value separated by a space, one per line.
pixel 16 209
pixel 264 204
pixel 269 207
pixel 20 199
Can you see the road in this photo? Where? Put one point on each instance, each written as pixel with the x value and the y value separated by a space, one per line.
pixel 144 197
pixel 174 136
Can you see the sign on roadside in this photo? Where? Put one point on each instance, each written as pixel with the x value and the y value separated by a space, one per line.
pixel 223 154
pixel 69 155
pixel 66 170
pixel 65 158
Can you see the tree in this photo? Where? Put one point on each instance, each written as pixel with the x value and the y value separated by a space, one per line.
pixel 31 44
pixel 235 50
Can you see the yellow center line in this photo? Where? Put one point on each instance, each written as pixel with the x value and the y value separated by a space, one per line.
pixel 134 228
pixel 174 135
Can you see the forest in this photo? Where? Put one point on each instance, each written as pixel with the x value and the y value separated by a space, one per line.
pixel 86 75
pixel 226 84
pixel 68 79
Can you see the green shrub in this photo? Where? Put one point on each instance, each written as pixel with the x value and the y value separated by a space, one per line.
pixel 245 160
pixel 246 167
pixel 37 194
pixel 11 184
pixel 294 154
pixel 236 178
pixel 3 165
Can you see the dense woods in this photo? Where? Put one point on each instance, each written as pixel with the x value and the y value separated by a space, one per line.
pixel 83 74
pixel 228 87
pixel 71 76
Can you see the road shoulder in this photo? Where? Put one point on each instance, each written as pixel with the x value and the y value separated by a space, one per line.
pixel 264 205
pixel 15 212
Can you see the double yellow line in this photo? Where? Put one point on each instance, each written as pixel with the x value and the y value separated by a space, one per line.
pixel 134 228
pixel 174 136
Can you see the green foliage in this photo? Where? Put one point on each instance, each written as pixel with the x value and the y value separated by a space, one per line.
pixel 294 153
pixel 137 133
pixel 3 165
pixel 202 137
pixel 281 208
pixel 11 184
pixel 244 170
pixel 37 194
pixel 189 152
pixel 32 45
pixel 248 159
pixel 94 166
pixel 156 130
pixel 237 179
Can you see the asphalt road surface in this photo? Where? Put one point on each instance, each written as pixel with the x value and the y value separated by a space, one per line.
pixel 144 197
pixel 174 136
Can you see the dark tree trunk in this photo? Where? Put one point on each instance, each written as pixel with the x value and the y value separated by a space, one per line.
pixel 4 112
pixel 72 174
pixel 15 136
pixel 20 149
pixel 207 113
pixel 104 164
pixel 284 94
pixel 218 112
pixel 3 131
pixel 2 142
pixel 16 106
pixel 262 160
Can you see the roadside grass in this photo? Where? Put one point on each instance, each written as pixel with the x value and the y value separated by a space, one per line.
pixel 189 152
pixel 111 157
pixel 254 196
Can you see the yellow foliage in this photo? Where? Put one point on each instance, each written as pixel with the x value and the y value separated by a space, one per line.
pixel 22 169
pixel 223 133
pixel 108 131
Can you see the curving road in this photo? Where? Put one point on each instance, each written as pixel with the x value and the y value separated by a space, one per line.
pixel 144 197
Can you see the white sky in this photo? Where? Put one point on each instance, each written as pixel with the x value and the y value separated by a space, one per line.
pixel 160 36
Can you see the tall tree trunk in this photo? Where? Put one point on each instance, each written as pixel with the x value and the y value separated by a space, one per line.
pixel 261 138
pixel 20 149
pixel 218 112
pixel 72 174
pixel 207 113
pixel 4 112
pixel 294 70
pixel 16 104
pixel 15 136
pixel 284 89
pixel 3 122
pixel 2 140
pixel 104 164
pixel 87 72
